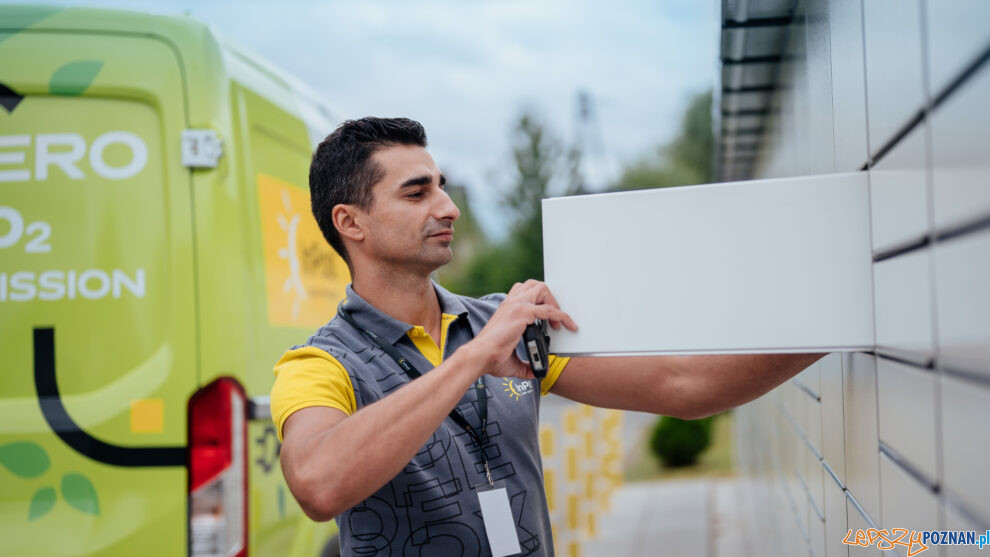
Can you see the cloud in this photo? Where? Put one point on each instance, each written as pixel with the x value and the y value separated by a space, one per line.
pixel 464 68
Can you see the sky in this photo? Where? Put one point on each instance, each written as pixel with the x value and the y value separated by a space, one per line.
pixel 467 69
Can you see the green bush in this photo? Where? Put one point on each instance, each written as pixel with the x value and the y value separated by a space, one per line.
pixel 678 442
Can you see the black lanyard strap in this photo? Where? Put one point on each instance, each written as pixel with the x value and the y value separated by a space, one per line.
pixel 413 373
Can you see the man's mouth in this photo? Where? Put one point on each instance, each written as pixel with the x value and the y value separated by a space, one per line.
pixel 446 234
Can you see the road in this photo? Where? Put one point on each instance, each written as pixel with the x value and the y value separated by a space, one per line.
pixel 677 518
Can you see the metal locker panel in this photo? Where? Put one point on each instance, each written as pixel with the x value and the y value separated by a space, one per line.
pixel 800 516
pixel 902 294
pixel 895 91
pixel 906 398
pixel 797 406
pixel 793 79
pixel 966 442
pixel 956 519
pixel 816 529
pixel 859 522
pixel 833 435
pixel 836 524
pixel 793 449
pixel 962 273
pixel 848 84
pixel 812 475
pixel 810 378
pixel 807 414
pixel 860 420
pixel 906 502
pixel 821 156
pixel 802 502
pixel 898 193
pixel 813 423
pixel 960 165
pixel 957 35
pixel 761 266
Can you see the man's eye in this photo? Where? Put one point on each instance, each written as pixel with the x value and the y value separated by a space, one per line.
pixel 415 195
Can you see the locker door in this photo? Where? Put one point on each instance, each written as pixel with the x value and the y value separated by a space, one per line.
pixel 779 265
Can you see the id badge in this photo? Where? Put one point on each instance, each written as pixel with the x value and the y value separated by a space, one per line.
pixel 500 526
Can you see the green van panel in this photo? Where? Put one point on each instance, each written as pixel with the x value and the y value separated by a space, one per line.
pixel 96 296
pixel 128 281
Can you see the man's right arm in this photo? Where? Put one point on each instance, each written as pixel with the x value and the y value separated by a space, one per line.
pixel 333 461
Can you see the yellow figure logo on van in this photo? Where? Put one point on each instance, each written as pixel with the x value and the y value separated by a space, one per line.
pixel 305 277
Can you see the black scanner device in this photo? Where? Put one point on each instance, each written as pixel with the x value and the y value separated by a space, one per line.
pixel 536 341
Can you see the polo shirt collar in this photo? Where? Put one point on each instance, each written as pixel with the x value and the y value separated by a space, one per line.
pixel 388 327
pixel 449 303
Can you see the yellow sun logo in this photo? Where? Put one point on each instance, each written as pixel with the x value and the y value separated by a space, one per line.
pixel 517 390
pixel 510 388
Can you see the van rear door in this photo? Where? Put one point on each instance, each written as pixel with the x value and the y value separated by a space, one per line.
pixel 96 290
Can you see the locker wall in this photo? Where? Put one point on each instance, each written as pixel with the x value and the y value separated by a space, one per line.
pixel 894 437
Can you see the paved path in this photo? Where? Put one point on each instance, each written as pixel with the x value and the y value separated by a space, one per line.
pixel 677 518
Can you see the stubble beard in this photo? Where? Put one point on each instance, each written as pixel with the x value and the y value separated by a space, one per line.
pixel 422 262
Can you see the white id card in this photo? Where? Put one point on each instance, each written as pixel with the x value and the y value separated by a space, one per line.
pixel 499 524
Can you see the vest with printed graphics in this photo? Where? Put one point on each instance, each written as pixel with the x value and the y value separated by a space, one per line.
pixel 431 507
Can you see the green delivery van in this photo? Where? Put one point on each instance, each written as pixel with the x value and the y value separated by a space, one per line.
pixel 157 256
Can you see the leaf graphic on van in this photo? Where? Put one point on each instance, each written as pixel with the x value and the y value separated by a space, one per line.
pixel 75 77
pixel 80 494
pixel 42 502
pixel 19 18
pixel 24 459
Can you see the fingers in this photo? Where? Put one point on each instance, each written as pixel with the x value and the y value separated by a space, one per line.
pixel 515 290
pixel 538 294
pixel 525 371
pixel 512 366
pixel 534 292
pixel 522 369
pixel 552 314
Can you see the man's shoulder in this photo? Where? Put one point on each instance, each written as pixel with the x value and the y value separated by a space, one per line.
pixel 334 340
pixel 339 339
pixel 482 306
pixel 487 301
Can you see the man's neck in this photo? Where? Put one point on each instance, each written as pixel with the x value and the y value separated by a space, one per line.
pixel 407 297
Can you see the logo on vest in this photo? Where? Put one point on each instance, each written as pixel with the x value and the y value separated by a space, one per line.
pixel 517 388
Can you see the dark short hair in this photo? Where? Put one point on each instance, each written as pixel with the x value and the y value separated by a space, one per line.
pixel 343 172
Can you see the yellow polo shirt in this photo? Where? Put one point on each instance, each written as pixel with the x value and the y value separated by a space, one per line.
pixel 309 376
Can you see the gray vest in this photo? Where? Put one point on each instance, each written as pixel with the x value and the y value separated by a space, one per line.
pixel 431 507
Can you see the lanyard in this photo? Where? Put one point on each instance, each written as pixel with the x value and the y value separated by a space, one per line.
pixel 413 373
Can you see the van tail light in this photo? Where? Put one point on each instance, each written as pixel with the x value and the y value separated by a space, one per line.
pixel 218 470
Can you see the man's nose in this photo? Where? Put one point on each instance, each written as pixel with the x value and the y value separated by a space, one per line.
pixel 445 208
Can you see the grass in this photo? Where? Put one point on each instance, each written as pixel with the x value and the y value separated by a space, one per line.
pixel 716 461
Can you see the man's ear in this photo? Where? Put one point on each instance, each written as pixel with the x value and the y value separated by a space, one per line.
pixel 346 219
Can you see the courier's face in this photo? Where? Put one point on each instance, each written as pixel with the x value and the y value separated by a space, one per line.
pixel 410 223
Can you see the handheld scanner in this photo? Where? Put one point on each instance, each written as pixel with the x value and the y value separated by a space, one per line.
pixel 536 340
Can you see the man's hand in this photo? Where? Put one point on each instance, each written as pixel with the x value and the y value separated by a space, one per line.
pixel 524 304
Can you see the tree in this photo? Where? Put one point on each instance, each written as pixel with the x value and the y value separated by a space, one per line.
pixel 540 162
pixel 537 157
pixel 470 239
pixel 678 442
pixel 686 160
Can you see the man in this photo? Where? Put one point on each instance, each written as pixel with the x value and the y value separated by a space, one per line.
pixel 405 463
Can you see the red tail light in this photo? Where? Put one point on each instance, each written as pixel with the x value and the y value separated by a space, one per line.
pixel 218 470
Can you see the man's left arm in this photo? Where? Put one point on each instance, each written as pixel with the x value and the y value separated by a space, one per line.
pixel 686 387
